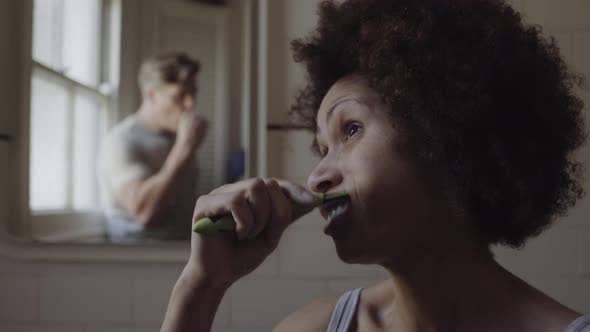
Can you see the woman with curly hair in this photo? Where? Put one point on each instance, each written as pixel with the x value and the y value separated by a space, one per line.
pixel 451 125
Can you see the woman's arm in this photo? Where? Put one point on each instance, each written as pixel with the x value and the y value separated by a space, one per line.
pixel 193 305
pixel 262 210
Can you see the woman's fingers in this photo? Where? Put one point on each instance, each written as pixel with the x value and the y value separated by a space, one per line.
pixel 234 203
pixel 236 186
pixel 259 198
pixel 243 216
pixel 255 205
pixel 280 214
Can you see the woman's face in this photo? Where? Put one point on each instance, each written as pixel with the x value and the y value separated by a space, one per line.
pixel 390 208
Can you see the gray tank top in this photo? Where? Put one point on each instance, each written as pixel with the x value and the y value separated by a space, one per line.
pixel 346 309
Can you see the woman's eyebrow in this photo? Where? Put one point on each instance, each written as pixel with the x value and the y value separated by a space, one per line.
pixel 336 103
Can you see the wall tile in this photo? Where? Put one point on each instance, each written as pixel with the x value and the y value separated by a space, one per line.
pixel 222 317
pixel 299 161
pixel 562 15
pixel 579 296
pixel 558 288
pixel 300 17
pixel 86 299
pixel 4 203
pixel 312 221
pixel 45 268
pixel 518 5
pixel 268 268
pixel 264 303
pixel 151 297
pixel 275 153
pixel 565 41
pixel 579 215
pixel 107 328
pixel 277 56
pixel 4 159
pixel 553 253
pixel 290 155
pixel 126 270
pixel 240 330
pixel 584 252
pixel 581 42
pixel 19 299
pixel 573 292
pixel 42 328
pixel 311 254
pixel 338 287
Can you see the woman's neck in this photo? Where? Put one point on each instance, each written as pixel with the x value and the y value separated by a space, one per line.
pixel 462 289
pixel 447 290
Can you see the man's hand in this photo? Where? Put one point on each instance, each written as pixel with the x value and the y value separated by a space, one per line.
pixel 191 131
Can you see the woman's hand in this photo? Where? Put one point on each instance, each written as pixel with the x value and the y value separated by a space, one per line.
pixel 262 209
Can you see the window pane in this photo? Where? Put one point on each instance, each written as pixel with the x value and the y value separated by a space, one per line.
pixel 82 40
pixel 66 37
pixel 48 144
pixel 87 130
pixel 48 32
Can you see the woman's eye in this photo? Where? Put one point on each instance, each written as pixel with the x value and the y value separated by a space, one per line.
pixel 351 129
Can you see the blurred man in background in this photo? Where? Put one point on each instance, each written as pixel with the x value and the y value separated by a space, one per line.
pixel 147 164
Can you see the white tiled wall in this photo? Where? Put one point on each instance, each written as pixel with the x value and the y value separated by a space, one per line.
pixel 568 15
pixel 261 303
pixel 50 297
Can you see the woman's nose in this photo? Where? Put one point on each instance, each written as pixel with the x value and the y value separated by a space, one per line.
pixel 324 177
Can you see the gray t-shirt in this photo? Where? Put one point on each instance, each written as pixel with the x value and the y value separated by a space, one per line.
pixel 132 152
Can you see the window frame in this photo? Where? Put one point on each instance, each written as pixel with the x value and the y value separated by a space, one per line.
pixel 70 224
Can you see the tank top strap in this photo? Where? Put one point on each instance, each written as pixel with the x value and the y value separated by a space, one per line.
pixel 344 311
pixel 581 324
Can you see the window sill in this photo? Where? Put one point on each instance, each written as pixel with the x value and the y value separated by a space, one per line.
pixel 33 250
pixel 67 226
pixel 68 236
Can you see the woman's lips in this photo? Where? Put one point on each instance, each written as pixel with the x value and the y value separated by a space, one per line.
pixel 334 211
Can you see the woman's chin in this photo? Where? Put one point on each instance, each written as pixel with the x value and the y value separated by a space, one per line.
pixel 350 254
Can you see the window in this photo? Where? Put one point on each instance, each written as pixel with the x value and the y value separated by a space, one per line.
pixel 74 70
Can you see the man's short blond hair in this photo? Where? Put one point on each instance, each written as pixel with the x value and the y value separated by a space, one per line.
pixel 174 67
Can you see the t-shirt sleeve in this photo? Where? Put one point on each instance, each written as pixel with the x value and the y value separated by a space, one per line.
pixel 122 162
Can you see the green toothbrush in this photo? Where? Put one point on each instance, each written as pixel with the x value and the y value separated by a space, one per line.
pixel 226 223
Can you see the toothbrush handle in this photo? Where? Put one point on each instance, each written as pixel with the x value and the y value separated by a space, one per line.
pixel 214 225
pixel 226 223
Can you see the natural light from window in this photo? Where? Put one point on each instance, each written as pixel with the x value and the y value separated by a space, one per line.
pixel 70 103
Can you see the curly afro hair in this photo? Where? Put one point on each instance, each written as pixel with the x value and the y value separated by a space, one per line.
pixel 476 93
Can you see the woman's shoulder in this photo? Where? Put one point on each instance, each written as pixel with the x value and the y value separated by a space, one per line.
pixel 313 317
